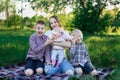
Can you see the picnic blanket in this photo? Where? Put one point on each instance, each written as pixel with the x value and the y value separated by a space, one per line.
pixel 16 72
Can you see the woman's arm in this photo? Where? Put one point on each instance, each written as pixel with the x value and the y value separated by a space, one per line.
pixel 63 44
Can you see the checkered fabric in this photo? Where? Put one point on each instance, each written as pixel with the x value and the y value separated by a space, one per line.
pixel 16 72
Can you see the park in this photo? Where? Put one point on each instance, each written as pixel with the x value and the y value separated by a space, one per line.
pixel 99 20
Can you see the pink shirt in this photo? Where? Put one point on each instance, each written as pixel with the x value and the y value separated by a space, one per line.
pixel 37 51
pixel 63 37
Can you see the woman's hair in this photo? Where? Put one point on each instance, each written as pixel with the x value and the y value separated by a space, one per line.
pixel 58 21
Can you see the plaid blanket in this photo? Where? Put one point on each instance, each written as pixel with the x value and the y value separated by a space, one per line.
pixel 16 72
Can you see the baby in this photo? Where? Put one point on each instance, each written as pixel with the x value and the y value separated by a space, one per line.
pixel 58 35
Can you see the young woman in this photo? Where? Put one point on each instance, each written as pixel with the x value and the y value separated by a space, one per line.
pixel 64 66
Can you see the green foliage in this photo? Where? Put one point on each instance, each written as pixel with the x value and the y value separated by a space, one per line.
pixel 112 30
pixel 41 18
pixel 2 5
pixel 85 18
pixel 117 20
pixel 14 20
pixel 29 22
pixel 92 18
pixel 1 23
pixel 104 21
pixel 66 20
pixel 52 6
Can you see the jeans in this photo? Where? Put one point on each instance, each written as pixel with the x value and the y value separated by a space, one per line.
pixel 64 66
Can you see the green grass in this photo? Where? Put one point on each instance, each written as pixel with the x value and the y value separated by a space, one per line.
pixel 13 46
pixel 104 50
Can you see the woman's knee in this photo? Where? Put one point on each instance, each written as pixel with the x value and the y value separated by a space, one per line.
pixel 79 71
pixel 51 69
pixel 39 70
pixel 94 72
pixel 28 72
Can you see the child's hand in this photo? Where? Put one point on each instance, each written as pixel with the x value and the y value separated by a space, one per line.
pixel 48 63
pixel 48 41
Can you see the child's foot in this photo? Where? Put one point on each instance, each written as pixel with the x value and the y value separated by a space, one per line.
pixel 69 72
pixel 53 62
pixel 58 64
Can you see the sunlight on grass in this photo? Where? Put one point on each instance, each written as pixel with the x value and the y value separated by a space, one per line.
pixel 112 30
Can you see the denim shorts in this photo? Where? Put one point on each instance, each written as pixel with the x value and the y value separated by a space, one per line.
pixel 33 64
pixel 87 68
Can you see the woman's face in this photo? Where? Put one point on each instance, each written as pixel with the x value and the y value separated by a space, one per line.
pixel 53 23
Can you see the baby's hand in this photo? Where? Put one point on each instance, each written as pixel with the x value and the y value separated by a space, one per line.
pixel 54 36
pixel 73 39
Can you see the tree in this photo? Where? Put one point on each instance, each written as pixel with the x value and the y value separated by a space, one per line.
pixel 117 20
pixel 57 5
pixel 86 12
pixel 7 6
pixel 52 6
pixel 21 12
pixel 2 5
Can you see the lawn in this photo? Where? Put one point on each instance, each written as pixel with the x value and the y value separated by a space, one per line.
pixel 104 50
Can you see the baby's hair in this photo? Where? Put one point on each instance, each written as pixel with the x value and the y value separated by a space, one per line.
pixel 40 22
pixel 76 32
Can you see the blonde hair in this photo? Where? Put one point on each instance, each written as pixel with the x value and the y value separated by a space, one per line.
pixel 76 32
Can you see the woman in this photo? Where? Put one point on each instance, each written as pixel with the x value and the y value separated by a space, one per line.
pixel 65 66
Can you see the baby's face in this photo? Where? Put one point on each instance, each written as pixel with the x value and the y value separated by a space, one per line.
pixel 57 31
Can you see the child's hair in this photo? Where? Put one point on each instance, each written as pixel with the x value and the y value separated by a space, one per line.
pixel 58 21
pixel 40 22
pixel 76 32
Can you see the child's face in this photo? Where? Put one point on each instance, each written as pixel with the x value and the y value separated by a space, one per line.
pixel 77 38
pixel 40 29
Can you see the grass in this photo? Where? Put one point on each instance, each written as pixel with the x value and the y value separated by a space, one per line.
pixel 13 46
pixel 104 50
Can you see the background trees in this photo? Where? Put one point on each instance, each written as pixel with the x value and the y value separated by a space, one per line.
pixel 88 14
pixel 91 16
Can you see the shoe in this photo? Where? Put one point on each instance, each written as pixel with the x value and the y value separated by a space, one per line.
pixel 100 76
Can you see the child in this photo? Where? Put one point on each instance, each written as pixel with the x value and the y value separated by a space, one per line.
pixel 58 35
pixel 37 51
pixel 79 57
